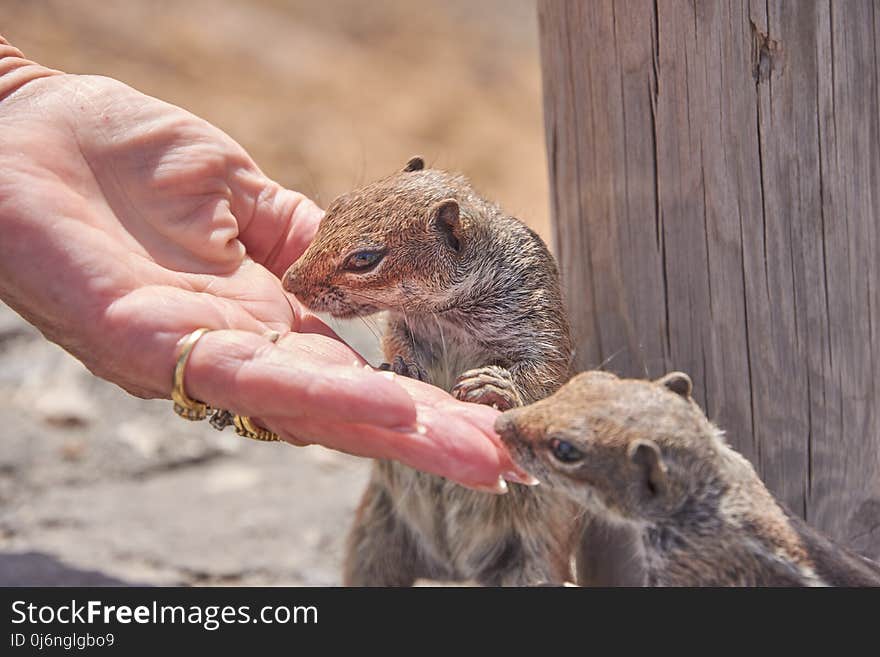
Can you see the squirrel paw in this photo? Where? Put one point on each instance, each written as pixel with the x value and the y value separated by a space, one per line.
pixel 410 369
pixel 490 385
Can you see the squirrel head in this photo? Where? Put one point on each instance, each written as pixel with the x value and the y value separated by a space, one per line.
pixel 395 244
pixel 637 448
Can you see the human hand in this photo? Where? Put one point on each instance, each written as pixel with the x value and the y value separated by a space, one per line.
pixel 127 223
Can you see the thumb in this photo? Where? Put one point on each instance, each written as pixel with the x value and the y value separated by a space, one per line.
pixel 275 224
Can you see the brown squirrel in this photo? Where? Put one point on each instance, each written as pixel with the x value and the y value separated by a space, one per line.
pixel 643 453
pixel 475 308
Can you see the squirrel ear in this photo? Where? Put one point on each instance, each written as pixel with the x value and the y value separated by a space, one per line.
pixel 645 455
pixel 415 163
pixel 678 382
pixel 444 216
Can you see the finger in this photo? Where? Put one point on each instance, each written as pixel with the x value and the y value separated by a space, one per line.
pixel 452 439
pixel 479 416
pixel 308 322
pixel 16 71
pixel 276 225
pixel 448 447
pixel 250 375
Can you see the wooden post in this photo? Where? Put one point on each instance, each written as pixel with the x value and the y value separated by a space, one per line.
pixel 715 181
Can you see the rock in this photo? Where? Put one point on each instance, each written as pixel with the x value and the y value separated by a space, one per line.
pixel 142 435
pixel 65 407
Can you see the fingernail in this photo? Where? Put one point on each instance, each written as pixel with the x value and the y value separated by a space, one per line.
pixel 500 487
pixel 524 478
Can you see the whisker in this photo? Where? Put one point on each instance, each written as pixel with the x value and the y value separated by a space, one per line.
pixel 411 336
pixel 445 351
pixel 370 328
pixel 374 300
pixel 609 359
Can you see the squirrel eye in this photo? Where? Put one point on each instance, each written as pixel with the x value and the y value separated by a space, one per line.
pixel 565 452
pixel 363 260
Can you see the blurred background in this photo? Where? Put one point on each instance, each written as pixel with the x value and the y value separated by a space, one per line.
pixel 97 487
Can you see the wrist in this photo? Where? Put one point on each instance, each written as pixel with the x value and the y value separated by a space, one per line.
pixel 16 71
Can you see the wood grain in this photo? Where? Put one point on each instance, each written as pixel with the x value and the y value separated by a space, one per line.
pixel 715 193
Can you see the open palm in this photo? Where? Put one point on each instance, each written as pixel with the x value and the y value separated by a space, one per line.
pixel 128 223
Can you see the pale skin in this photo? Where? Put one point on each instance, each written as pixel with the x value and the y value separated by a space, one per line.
pixel 126 223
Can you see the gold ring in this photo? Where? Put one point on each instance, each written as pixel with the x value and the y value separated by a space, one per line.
pixel 193 409
pixel 244 426
pixel 184 405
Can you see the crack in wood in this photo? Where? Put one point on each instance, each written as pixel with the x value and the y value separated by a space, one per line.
pixel 766 54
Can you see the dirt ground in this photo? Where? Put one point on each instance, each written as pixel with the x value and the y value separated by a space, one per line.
pixel 97 487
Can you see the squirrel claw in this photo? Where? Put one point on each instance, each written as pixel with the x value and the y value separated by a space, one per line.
pixel 410 369
pixel 491 386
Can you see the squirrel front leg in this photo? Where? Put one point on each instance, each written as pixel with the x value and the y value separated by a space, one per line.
pixel 400 352
pixel 492 385
pixel 505 388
